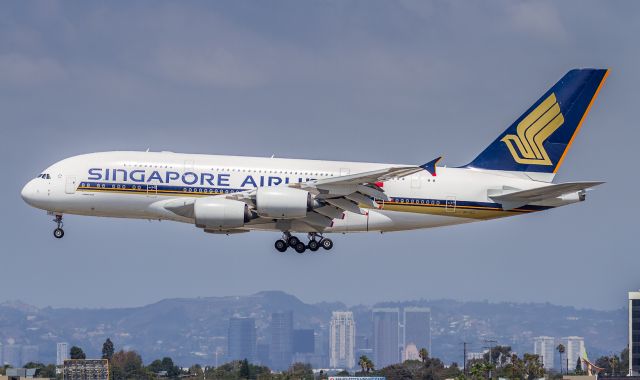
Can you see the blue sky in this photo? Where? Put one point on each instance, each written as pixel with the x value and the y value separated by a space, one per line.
pixel 381 81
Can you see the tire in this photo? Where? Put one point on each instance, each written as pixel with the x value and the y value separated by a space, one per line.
pixel 293 241
pixel 58 233
pixel 281 245
pixel 313 245
pixel 300 247
pixel 326 244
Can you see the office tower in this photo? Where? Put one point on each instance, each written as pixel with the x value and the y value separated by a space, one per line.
pixel 386 331
pixel 281 346
pixel 575 350
pixel 262 354
pixel 634 333
pixel 342 340
pixel 304 341
pixel 546 348
pixel 242 339
pixel 62 353
pixel 417 328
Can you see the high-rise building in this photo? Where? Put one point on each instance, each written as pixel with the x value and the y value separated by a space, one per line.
pixel 62 353
pixel 304 341
pixel 30 354
pixel 342 340
pixel 386 333
pixel 545 347
pixel 242 339
pixel 634 333
pixel 281 345
pixel 417 329
pixel 575 350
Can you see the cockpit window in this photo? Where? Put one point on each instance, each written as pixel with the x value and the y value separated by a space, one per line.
pixel 44 176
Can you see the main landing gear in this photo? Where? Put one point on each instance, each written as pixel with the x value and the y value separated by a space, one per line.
pixel 294 242
pixel 58 232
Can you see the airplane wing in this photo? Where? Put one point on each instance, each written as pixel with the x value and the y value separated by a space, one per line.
pixel 520 198
pixel 332 196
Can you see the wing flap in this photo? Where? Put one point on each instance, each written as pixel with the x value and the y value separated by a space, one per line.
pixel 517 199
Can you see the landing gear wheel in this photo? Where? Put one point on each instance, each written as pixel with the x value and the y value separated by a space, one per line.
pixel 281 245
pixel 313 245
pixel 293 241
pixel 326 243
pixel 58 233
pixel 300 247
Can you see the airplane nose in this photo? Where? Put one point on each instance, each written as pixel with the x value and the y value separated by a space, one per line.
pixel 28 192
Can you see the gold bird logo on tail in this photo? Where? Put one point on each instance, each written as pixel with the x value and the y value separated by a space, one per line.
pixel 526 147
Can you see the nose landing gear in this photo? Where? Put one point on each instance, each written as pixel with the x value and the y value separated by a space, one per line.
pixel 58 233
pixel 294 242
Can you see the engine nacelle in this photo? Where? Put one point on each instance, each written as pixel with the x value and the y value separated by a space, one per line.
pixel 220 213
pixel 282 202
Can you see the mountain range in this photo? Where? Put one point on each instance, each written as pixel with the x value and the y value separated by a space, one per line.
pixel 191 330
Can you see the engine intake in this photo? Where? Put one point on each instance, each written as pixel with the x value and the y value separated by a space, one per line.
pixel 283 202
pixel 220 213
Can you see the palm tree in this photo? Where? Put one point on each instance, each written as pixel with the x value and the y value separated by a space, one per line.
pixel 424 354
pixel 561 350
pixel 362 362
pixel 370 366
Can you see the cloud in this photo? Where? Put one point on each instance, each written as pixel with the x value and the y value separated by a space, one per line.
pixel 20 70
pixel 539 19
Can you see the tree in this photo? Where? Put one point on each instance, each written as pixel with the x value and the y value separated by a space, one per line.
pixel 579 367
pixel 561 350
pixel 107 349
pixel 424 354
pixel 244 369
pixel 77 353
pixel 362 362
pixel 128 365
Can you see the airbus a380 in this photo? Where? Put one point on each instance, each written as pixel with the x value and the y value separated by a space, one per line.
pixel 228 195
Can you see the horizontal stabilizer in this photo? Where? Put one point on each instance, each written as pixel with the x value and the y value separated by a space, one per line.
pixel 520 198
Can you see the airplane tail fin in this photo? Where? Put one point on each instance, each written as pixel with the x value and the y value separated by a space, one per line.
pixel 538 141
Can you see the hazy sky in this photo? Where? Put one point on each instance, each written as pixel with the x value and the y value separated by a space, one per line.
pixel 397 81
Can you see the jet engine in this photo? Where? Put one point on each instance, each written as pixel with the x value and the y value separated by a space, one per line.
pixel 220 213
pixel 283 202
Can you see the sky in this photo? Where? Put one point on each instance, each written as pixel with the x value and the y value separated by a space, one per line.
pixel 375 81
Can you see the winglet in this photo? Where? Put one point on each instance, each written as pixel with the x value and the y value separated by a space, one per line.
pixel 431 166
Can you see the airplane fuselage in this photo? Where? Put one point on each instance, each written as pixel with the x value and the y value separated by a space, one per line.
pixel 139 184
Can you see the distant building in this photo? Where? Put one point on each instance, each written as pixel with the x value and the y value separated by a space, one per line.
pixel 386 331
pixel 242 339
pixel 262 354
pixel 30 354
pixel 304 341
pixel 634 333
pixel 411 352
pixel 62 353
pixel 575 350
pixel 417 328
pixel 81 369
pixel 12 355
pixel 342 340
pixel 281 345
pixel 546 348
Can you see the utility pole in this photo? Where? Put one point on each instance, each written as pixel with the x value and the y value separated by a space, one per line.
pixel 491 343
pixel 464 360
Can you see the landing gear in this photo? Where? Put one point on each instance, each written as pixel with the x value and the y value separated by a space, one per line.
pixel 313 245
pixel 315 242
pixel 326 243
pixel 300 247
pixel 293 241
pixel 281 245
pixel 58 233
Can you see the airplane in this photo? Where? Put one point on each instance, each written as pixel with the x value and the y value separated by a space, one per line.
pixel 235 194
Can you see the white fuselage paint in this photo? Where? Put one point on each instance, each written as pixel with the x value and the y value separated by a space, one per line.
pixel 147 180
